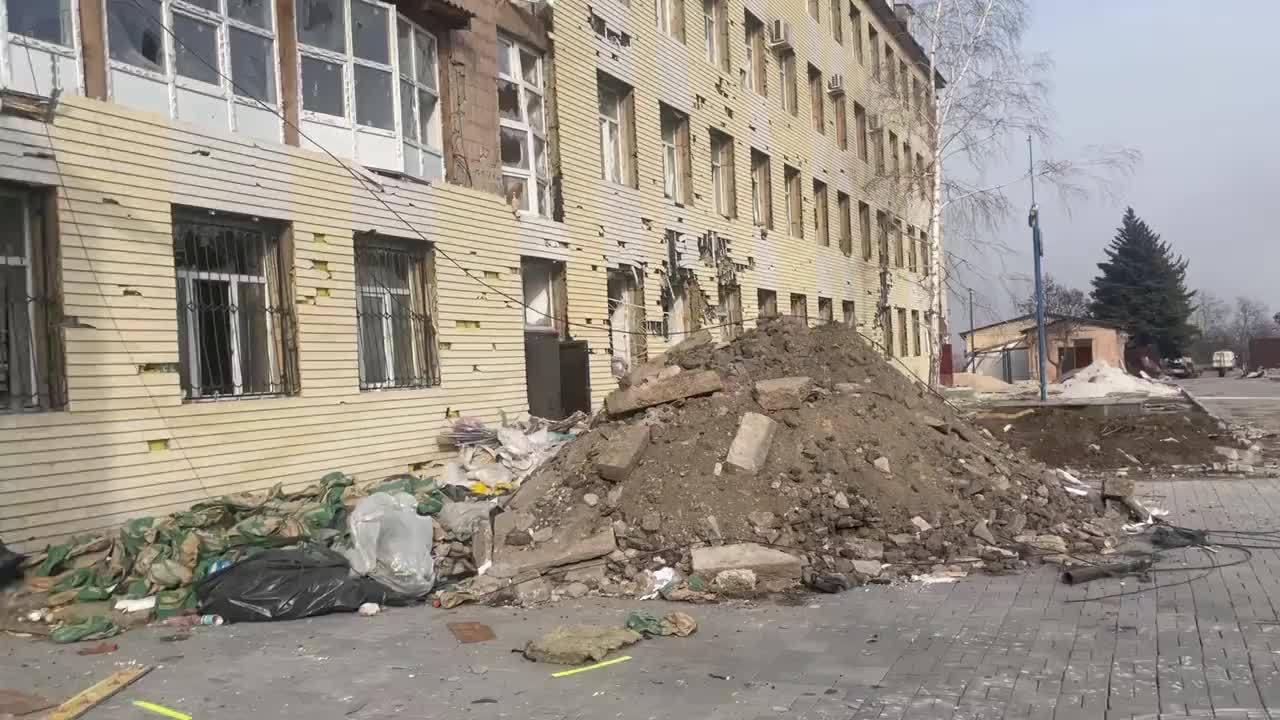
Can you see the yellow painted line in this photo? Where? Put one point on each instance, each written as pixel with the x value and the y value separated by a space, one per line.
pixel 85 701
pixel 606 663
pixel 161 710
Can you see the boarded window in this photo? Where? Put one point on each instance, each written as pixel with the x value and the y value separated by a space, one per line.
pixel 825 313
pixel 849 312
pixel 767 303
pixel 800 306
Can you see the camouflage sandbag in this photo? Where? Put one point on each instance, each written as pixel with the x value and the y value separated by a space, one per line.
pixel 97 627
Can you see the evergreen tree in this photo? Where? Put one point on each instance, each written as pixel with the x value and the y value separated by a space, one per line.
pixel 1143 289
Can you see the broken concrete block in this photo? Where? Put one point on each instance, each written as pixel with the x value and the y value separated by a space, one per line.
pixel 684 385
pixel 750 447
pixel 882 464
pixel 578 645
pixel 764 519
pixel 786 393
pixel 738 581
pixel 669 372
pixel 1117 487
pixel 482 545
pixel 576 590
pixel 1229 453
pixel 921 524
pixel 623 453
pixel 870 568
pixel 983 533
pixel 1049 543
pixel 533 592
pixel 765 562
pixel 841 501
pixel 694 340
pixel 865 549
pixel 511 561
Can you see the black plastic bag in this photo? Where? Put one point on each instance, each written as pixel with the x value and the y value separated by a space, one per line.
pixel 288 585
pixel 10 562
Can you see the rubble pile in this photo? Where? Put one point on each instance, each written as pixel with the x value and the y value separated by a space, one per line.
pixel 790 453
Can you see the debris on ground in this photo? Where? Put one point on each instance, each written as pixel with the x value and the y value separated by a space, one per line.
pixel 1101 379
pixel 794 453
pixel 471 632
pixel 17 703
pixel 673 623
pixel 1140 439
pixel 577 644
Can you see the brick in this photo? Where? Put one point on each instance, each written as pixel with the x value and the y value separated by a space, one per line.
pixel 786 393
pixel 765 562
pixel 684 385
pixel 750 448
pixel 623 452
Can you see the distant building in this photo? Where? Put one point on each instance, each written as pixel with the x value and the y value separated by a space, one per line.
pixel 1008 349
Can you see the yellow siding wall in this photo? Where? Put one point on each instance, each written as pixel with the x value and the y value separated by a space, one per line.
pixel 98 462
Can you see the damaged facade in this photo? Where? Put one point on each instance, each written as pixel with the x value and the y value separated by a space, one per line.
pixel 247 242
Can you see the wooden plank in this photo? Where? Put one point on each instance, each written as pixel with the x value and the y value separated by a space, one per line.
pixel 96 694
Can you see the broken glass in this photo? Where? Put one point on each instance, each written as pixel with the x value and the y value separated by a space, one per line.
pixel 404 47
pixel 252 66
pixel 210 5
pixel 254 12
pixel 134 30
pixel 373 98
pixel 429 130
pixel 47 20
pixel 529 65
pixel 195 49
pixel 514 148
pixel 408 120
pixel 504 58
pixel 533 111
pixel 369 32
pixel 426 52
pixel 322 87
pixel 322 24
pixel 513 187
pixel 509 101
pixel 12 241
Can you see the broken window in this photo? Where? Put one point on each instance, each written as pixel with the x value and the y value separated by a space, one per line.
pixel 860 123
pixel 723 187
pixel 234 319
pixel 526 170
pixel 864 228
pixel 915 332
pixel 846 223
pixel 322 87
pixel 671 18
pixel 825 313
pixel 754 75
pixel 322 24
pixel 46 20
pixel 850 313
pixel 135 33
pixel 886 330
pixel 903 349
pixel 899 258
pixel 913 254
pixel 545 296
pixel 767 303
pixel 896 165
pixel 882 230
pixel 787 78
pixel 795 203
pixel 395 318
pixel 820 212
pixel 925 253
pixel 761 190
pixel 195 47
pixel 873 40
pixel 842 122
pixel 855 18
pixel 729 310
pixel 675 155
pixel 617 131
pixel 32 376
pixel 800 306
pixel 715 30
pixel 816 102
pixel 420 95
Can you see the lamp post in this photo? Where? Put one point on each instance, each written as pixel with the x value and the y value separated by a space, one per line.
pixel 1037 249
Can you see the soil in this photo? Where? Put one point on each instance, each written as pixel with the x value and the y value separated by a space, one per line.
pixel 1075 438
pixel 819 483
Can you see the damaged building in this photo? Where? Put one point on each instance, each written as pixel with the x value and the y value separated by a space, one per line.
pixel 246 242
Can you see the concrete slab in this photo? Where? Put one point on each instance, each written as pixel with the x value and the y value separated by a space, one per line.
pixel 750 448
pixel 623 452
pixel 657 392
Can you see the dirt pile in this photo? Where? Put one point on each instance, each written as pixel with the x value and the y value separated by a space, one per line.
pixel 814 445
pixel 1138 441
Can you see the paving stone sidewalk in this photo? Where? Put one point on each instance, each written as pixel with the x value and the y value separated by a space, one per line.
pixel 1008 647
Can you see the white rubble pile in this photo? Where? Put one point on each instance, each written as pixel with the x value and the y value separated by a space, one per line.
pixel 1101 379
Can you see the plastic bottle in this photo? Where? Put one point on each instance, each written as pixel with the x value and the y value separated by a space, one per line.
pixel 211 620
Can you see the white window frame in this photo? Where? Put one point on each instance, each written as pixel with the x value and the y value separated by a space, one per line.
pixel 225 87
pixel 188 278
pixel 536 180
pixel 611 162
pixel 762 214
pixel 71 52
pixel 671 163
pixel 720 184
pixel 544 318
pixel 24 261
pixel 665 12
pixel 349 61
pixel 711 11
pixel 425 148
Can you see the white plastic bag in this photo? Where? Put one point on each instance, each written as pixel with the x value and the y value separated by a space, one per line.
pixel 391 543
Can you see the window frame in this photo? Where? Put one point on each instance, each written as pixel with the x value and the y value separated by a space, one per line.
pixel 715 32
pixel 40 268
pixel 279 358
pixel 873 43
pixel 817 101
pixel 794 201
pixel 849 313
pixel 915 330
pixel 800 301
pixel 436 129
pixel 428 344
pixel 860 127
pixel 821 213
pixel 723 180
pixel 761 189
pixel 670 18
pixel 837 22
pixel 540 198
pixel 618 173
pixel 913 250
pixel 756 71
pixel 225 87
pixel 71 51
pixel 855 19
pixel 903 348
pixel 676 158
pixel 864 229
pixel 845 212
pixel 841 110
pixel 826 311
pixel 764 299
pixel 787 82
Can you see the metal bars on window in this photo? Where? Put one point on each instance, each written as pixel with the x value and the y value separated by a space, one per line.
pixel 31 370
pixel 234 325
pixel 394 316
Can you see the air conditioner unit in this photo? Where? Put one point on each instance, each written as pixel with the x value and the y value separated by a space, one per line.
pixel 780 35
pixel 835 85
pixel 875 123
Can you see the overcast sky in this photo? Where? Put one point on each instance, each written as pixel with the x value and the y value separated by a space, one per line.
pixel 1195 86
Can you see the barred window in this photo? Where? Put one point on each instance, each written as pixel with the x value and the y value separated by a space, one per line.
pixel 395 316
pixel 32 375
pixel 235 322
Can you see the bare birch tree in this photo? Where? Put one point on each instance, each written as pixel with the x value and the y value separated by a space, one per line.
pixel 989 96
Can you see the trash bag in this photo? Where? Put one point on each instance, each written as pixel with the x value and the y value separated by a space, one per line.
pixel 288 585
pixel 391 543
pixel 10 565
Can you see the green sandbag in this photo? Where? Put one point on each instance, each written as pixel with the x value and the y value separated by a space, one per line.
pixel 134 534
pixel 92 593
pixel 97 627
pixel 57 554
pixel 174 602
pixel 73 580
